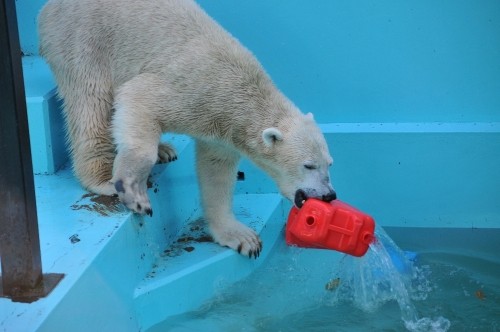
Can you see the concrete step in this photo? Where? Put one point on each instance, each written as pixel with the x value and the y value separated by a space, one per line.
pixel 45 120
pixel 192 269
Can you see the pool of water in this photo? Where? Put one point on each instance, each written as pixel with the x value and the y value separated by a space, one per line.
pixel 312 290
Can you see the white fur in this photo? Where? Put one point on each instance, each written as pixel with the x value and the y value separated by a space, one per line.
pixel 271 135
pixel 168 67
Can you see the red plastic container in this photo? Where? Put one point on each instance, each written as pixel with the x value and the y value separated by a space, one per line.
pixel 335 225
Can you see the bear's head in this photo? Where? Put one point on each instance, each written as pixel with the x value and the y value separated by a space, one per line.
pixel 296 156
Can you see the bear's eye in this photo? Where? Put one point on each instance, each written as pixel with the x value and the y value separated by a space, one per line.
pixel 310 166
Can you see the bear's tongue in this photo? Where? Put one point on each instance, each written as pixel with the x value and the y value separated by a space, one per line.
pixel 300 198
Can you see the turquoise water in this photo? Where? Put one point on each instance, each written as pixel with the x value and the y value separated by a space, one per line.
pixel 383 275
pixel 318 290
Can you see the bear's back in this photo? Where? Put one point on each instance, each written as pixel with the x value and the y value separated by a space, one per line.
pixel 127 37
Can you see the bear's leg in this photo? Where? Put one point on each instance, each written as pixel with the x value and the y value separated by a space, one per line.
pixel 131 171
pixel 137 131
pixel 87 109
pixel 217 175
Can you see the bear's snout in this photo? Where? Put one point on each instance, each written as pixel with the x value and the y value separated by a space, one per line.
pixel 331 196
pixel 301 196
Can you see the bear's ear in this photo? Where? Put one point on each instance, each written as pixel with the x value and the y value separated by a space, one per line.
pixel 310 116
pixel 271 135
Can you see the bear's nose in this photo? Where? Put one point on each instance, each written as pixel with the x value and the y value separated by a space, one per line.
pixel 331 196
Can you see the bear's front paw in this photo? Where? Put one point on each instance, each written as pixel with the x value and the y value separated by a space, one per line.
pixel 134 196
pixel 239 237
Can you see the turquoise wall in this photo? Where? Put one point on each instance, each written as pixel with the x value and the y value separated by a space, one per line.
pixel 419 175
pixel 366 61
pixel 376 61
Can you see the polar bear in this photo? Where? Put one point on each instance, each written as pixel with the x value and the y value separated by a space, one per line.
pixel 129 71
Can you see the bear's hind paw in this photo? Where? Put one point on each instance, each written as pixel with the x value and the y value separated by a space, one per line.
pixel 166 153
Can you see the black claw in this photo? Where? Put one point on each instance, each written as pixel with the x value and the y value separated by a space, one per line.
pixel 239 248
pixel 149 212
pixel 254 254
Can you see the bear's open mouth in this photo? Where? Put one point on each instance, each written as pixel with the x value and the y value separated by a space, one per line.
pixel 300 198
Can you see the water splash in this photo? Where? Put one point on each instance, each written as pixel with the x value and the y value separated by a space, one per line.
pixel 386 274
